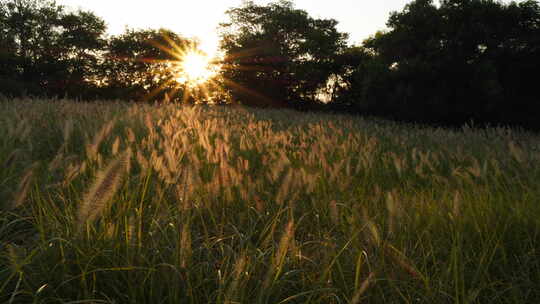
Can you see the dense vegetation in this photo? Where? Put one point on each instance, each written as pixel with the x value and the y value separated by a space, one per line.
pixel 446 63
pixel 456 61
pixel 140 202
pixel 131 203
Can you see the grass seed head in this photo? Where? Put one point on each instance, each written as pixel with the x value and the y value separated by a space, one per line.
pixel 363 288
pixel 24 186
pixel 104 187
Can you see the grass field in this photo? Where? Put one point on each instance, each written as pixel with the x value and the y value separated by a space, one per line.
pixel 131 203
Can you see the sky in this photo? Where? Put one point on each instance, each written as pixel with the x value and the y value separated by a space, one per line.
pixel 200 18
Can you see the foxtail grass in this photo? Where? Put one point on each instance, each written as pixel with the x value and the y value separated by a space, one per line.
pixel 132 203
pixel 102 190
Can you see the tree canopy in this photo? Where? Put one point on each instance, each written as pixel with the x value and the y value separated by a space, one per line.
pixel 456 61
pixel 137 64
pixel 443 62
pixel 277 54
pixel 46 50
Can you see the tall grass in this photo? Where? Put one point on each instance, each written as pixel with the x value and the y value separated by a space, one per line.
pixel 131 203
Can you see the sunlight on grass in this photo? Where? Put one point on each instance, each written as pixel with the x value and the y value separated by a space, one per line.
pixel 132 203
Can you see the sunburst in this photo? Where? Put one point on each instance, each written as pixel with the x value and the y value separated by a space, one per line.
pixel 194 72
pixel 195 68
pixel 198 75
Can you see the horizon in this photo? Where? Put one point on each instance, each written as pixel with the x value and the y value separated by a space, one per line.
pixel 359 20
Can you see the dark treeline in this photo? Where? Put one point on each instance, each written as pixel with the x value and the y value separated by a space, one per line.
pixel 445 62
pixel 460 60
pixel 46 50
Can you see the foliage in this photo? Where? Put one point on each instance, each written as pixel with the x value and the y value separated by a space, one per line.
pixel 138 64
pixel 276 54
pixel 129 203
pixel 445 63
pixel 460 60
pixel 49 51
pixel 45 50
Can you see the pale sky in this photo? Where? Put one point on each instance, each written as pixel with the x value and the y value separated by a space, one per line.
pixel 359 18
pixel 200 18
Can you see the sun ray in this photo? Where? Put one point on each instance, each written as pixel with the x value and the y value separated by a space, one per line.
pixel 244 67
pixel 195 68
pixel 174 91
pixel 166 49
pixel 248 91
pixel 244 53
pixel 157 90
pixel 192 72
pixel 205 91
pixel 187 93
pixel 171 42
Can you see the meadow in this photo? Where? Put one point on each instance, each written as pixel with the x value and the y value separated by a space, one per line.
pixel 110 202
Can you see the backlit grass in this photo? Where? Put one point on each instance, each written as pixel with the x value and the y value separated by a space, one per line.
pixel 131 203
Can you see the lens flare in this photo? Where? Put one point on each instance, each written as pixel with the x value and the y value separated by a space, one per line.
pixel 195 68
pixel 196 76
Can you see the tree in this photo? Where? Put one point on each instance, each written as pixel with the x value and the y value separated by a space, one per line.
pixel 363 82
pixel 8 51
pixel 47 51
pixel 138 64
pixel 278 55
pixel 460 60
pixel 81 45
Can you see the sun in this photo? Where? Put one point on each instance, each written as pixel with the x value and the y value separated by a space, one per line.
pixel 192 76
pixel 195 68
